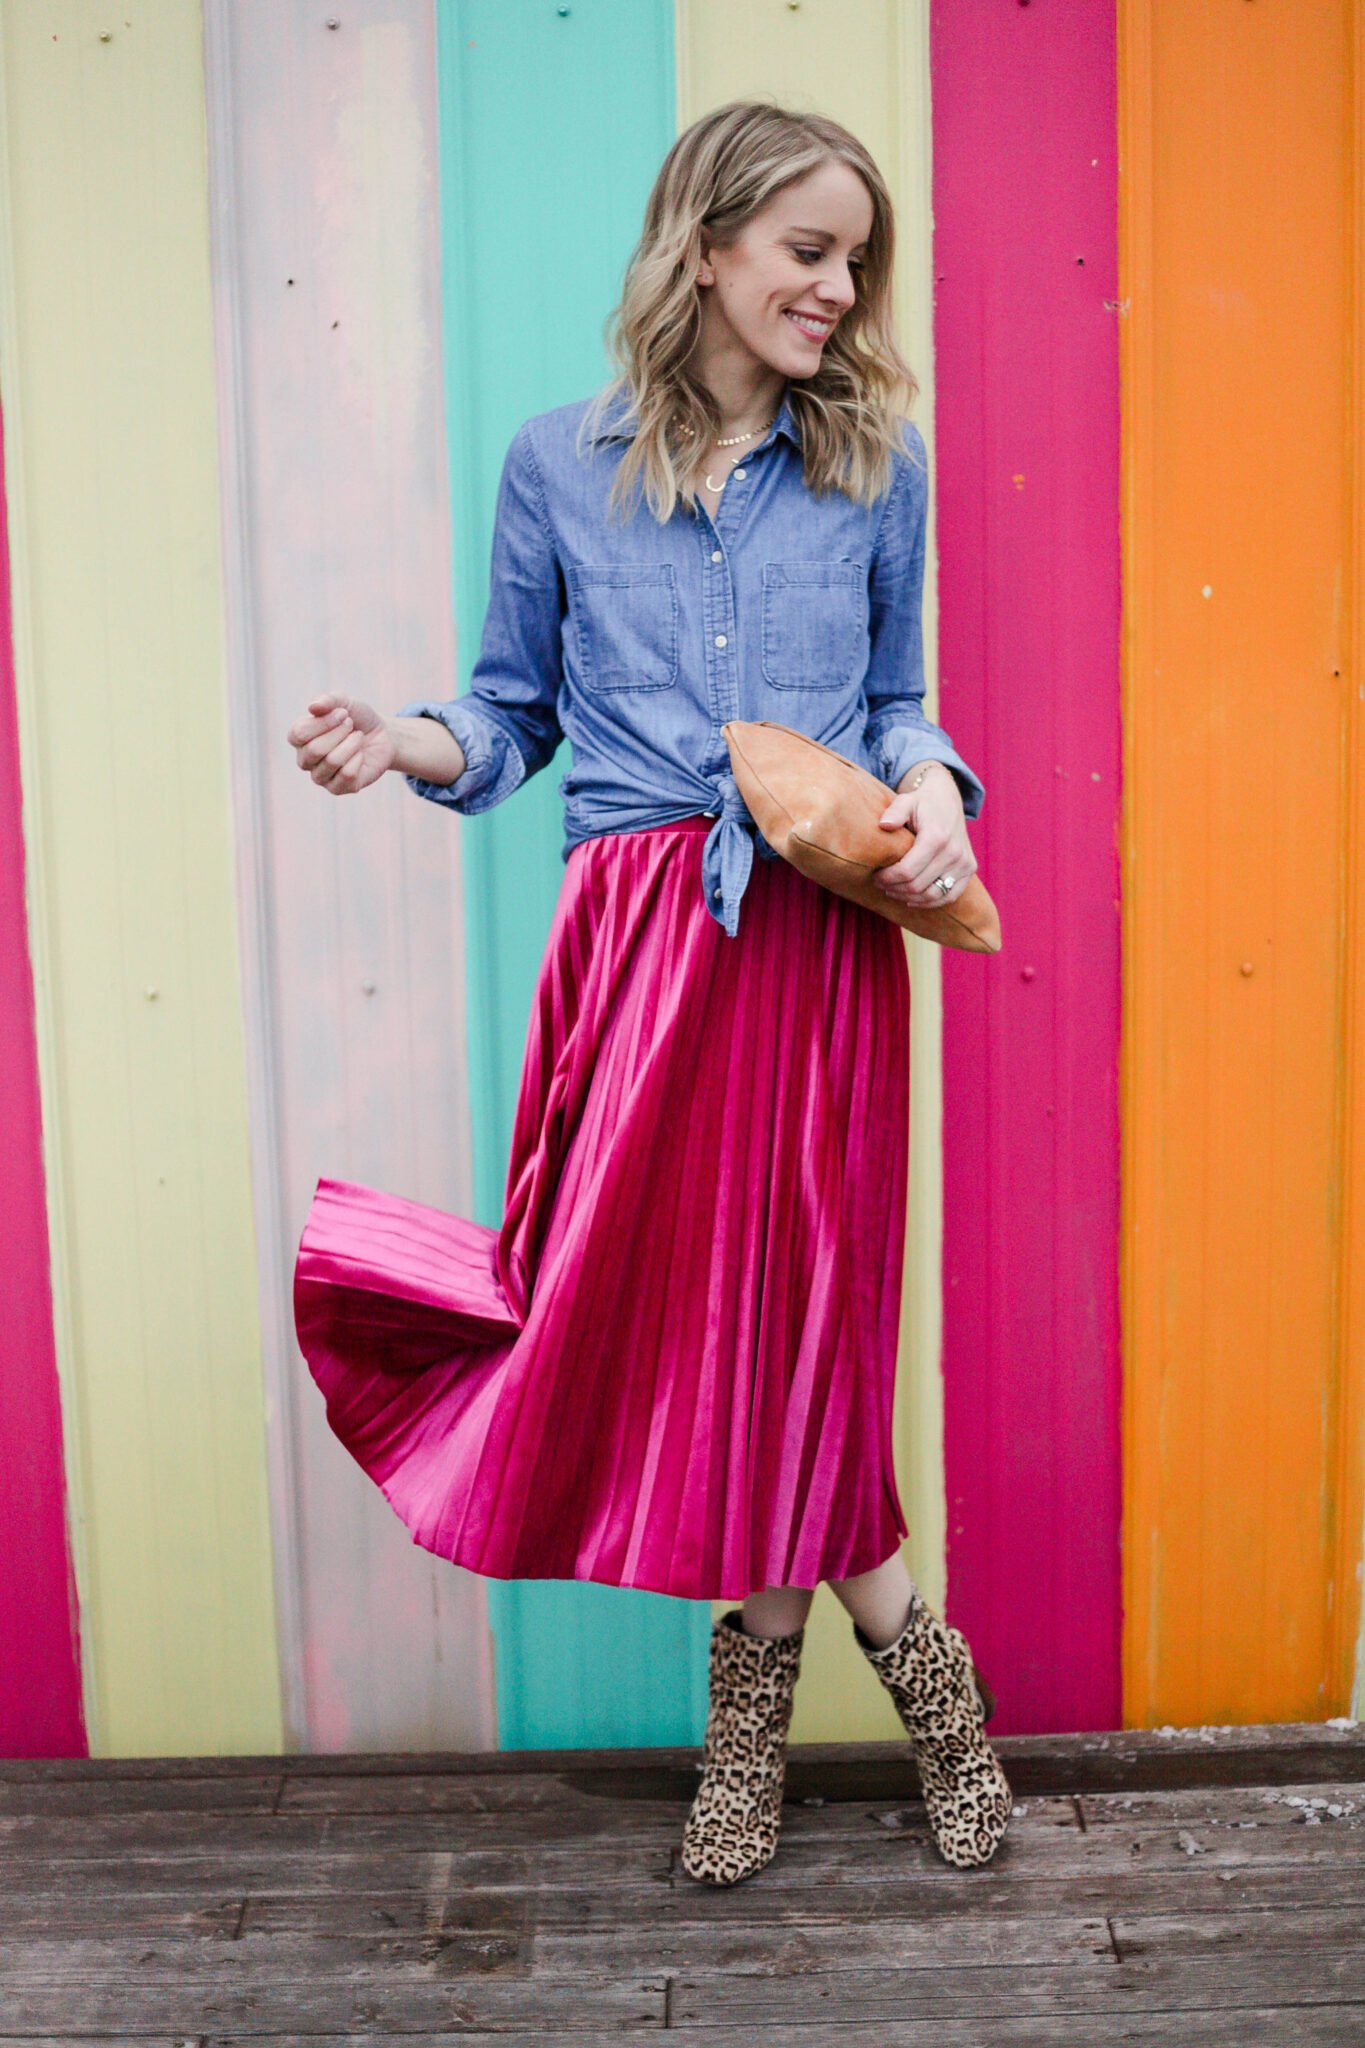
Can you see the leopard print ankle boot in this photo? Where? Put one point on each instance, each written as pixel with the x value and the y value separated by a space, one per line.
pixel 943 1702
pixel 732 1829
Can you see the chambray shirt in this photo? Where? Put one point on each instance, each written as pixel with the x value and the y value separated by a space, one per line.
pixel 639 640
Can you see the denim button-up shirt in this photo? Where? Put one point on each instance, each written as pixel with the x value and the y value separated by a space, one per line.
pixel 639 640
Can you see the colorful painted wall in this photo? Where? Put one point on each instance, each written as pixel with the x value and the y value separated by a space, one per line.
pixel 276 287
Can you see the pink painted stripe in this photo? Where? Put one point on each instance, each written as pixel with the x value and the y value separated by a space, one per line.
pixel 40 1678
pixel 1027 425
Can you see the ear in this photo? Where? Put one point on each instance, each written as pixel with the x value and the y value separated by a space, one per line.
pixel 705 270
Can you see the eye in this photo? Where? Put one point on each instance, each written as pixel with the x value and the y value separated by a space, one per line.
pixel 814 255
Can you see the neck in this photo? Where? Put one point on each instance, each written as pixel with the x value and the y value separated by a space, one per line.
pixel 748 394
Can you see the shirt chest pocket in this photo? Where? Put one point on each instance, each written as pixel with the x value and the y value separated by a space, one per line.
pixel 814 624
pixel 626 614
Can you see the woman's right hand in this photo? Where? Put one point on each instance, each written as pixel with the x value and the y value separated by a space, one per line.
pixel 342 743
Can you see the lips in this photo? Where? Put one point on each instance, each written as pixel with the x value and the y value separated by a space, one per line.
pixel 808 324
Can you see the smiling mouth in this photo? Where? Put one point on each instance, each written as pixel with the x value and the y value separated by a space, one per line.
pixel 814 330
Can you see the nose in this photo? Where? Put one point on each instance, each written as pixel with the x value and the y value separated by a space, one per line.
pixel 836 293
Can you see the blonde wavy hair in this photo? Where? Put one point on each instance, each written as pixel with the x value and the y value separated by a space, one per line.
pixel 718 174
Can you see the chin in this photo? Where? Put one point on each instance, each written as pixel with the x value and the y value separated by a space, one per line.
pixel 805 358
pixel 788 361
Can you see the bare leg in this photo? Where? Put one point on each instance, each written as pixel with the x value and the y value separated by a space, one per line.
pixel 879 1601
pixel 777 1610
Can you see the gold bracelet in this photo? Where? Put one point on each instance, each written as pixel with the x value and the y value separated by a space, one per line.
pixel 923 772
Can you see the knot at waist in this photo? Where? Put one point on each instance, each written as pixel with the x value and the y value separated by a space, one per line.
pixel 727 854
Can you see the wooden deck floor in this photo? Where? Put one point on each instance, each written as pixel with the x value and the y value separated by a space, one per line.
pixel 1200 1887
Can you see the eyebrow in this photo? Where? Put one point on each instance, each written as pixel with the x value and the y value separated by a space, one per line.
pixel 823 235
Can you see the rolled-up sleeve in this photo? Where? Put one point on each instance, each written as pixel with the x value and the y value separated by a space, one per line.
pixel 507 722
pixel 898 734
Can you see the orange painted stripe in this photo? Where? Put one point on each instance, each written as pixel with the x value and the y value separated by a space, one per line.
pixel 1346 1623
pixel 1241 132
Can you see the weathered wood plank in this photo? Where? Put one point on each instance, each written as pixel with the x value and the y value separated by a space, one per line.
pixel 171 1830
pixel 526 1792
pixel 1341 1802
pixel 1338 2026
pixel 418 1784
pixel 1100 1857
pixel 71 1837
pixel 1217 1824
pixel 283 1993
pixel 622 1866
pixel 1260 1931
pixel 1097 1760
pixel 61 1915
pixel 757 1906
pixel 262 1984
pixel 401 1896
pixel 855 1943
pixel 252 1792
pixel 1326 2027
pixel 1221 1984
pixel 1036 1765
pixel 513 1948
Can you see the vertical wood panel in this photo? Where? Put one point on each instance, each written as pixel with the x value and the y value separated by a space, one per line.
pixel 867 65
pixel 1242 838
pixel 1346 1642
pixel 336 515
pixel 553 123
pixel 110 379
pixel 1025 258
pixel 41 1711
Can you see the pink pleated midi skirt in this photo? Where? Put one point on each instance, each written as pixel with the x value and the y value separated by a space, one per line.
pixel 673 1365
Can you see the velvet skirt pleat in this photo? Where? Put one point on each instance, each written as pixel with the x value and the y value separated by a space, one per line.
pixel 673 1365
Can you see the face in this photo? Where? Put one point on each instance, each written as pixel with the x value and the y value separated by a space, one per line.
pixel 778 293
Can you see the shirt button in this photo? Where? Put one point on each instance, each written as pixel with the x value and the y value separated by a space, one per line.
pixel 740 474
pixel 715 554
pixel 720 639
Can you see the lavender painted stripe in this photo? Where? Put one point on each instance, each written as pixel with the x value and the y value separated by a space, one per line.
pixel 1025 194
pixel 338 558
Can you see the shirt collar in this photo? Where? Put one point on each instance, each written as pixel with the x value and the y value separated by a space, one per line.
pixel 785 423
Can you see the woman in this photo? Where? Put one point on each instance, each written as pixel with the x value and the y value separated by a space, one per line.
pixel 672 1367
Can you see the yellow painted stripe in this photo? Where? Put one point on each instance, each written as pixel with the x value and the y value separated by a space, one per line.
pixel 112 466
pixel 821 57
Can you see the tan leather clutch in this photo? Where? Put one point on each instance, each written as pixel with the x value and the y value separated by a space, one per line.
pixel 820 811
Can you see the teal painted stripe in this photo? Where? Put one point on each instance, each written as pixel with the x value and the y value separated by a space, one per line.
pixel 553 121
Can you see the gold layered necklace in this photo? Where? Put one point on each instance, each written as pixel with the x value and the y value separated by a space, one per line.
pixel 730 441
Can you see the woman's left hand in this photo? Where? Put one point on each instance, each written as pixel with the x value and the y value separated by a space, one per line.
pixel 934 814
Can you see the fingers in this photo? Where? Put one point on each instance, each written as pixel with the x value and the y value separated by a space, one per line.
pixel 340 766
pixel 914 872
pixel 314 738
pixel 928 897
pixel 911 880
pixel 325 714
pixel 325 757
